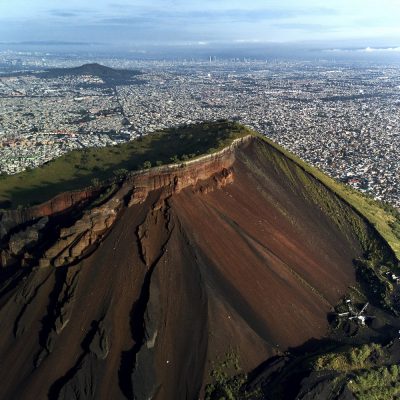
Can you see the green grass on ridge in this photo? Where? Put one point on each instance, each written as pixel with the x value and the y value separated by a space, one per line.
pixel 77 169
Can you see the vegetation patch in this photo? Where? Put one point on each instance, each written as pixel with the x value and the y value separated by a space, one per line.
pixel 352 359
pixel 228 381
pixel 82 168
pixel 380 383
pixel 362 369
pixel 377 288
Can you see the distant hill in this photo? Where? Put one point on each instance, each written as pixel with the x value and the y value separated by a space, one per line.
pixel 110 76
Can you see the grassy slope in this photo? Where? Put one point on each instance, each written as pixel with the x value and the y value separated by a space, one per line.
pixel 365 370
pixel 372 210
pixel 76 169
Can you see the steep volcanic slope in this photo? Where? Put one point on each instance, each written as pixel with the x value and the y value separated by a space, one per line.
pixel 135 297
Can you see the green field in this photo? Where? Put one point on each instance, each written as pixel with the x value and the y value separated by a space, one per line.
pixel 78 169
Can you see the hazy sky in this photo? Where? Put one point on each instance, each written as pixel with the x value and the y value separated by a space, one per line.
pixel 162 22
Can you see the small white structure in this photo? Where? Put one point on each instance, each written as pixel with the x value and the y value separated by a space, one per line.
pixel 355 315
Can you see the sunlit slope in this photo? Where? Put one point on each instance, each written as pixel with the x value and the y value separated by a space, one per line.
pixel 384 218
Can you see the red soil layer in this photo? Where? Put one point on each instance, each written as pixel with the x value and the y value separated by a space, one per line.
pixel 60 203
pixel 183 276
pixel 174 176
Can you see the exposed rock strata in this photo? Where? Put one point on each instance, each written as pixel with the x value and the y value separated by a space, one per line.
pixel 62 202
pixel 87 231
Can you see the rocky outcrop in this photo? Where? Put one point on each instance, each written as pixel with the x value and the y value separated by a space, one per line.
pixel 100 344
pixel 74 240
pixel 62 202
pixel 225 177
pixel 81 379
pixel 22 241
pixel 176 177
pixel 85 232
pixel 59 312
pixel 27 237
pixel 173 178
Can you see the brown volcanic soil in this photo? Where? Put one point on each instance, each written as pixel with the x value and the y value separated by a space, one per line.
pixel 250 256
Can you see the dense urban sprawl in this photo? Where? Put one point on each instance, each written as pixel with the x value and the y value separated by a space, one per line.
pixel 342 118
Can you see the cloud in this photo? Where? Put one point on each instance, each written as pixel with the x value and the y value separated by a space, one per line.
pixel 194 21
pixel 229 15
pixel 47 43
pixel 366 50
pixel 64 14
pixel 133 21
pixel 380 49
pixel 304 27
